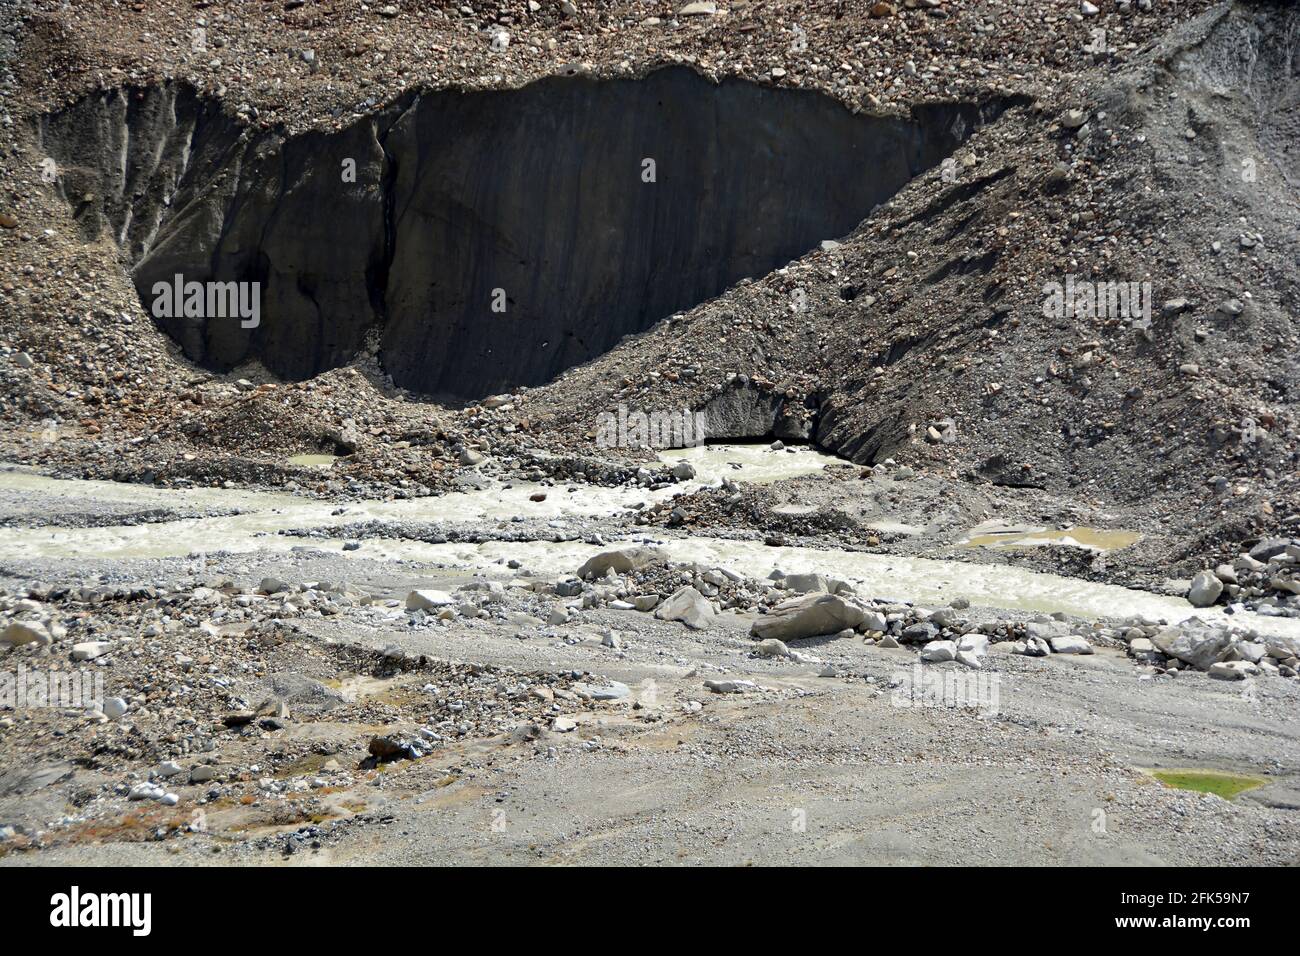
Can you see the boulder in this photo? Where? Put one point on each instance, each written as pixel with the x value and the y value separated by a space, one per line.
pixel 427 600
pixel 807 583
pixel 1268 548
pixel 1070 644
pixel 1142 650
pixel 919 633
pixel 1205 590
pixel 874 621
pixel 688 606
pixel 1250 651
pixel 1193 643
pixel 622 561
pixel 811 615
pixel 1046 630
pixel 25 632
pixel 936 652
pixel 1282 648
pixel 1037 647
pixel 1233 670
pixel 730 686
pixel 89 650
pixel 772 648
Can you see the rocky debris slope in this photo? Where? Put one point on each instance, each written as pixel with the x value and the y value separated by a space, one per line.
pixel 1265 579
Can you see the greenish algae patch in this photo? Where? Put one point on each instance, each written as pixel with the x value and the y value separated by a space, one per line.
pixel 1226 785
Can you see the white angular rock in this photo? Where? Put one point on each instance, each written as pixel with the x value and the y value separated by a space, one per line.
pixel 1252 652
pixel 937 652
pixel 874 621
pixel 688 606
pixel 90 650
pixel 426 600
pixel 25 632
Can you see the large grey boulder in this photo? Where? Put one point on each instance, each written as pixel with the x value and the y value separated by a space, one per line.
pixel 1070 644
pixel 812 582
pixel 622 561
pixel 808 583
pixel 1046 630
pixel 808 616
pixel 1268 548
pixel 1193 643
pixel 688 606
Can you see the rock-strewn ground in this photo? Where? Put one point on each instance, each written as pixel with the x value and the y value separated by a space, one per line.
pixel 265 706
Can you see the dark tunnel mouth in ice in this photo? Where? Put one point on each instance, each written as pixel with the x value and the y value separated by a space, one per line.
pixel 586 209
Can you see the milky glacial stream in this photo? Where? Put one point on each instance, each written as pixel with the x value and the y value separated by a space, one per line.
pixel 922 580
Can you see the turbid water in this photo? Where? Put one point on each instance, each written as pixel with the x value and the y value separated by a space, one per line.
pixel 262 515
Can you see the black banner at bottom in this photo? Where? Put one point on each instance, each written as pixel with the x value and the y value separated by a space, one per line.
pixel 328 904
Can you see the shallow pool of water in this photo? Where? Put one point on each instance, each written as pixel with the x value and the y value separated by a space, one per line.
pixel 313 461
pixel 1001 537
